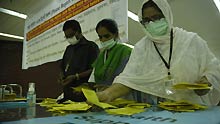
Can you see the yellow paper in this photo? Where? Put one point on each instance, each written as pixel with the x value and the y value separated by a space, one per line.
pixel 20 99
pixel 66 108
pixel 92 98
pixel 49 100
pixel 139 105
pixel 182 106
pixel 49 103
pixel 121 102
pixel 193 86
pixel 73 107
pixel 105 105
pixel 124 111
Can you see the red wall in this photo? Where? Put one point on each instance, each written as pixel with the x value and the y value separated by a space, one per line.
pixel 45 76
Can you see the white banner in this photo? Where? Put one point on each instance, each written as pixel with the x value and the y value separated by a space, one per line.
pixel 44 38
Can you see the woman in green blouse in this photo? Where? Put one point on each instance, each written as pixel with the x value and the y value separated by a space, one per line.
pixel 114 55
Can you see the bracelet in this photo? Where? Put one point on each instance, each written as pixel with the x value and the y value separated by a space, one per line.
pixel 77 76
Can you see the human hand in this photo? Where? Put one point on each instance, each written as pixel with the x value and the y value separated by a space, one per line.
pixel 201 92
pixel 68 79
pixel 116 90
pixel 104 96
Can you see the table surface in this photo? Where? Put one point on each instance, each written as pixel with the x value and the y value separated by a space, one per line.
pixel 20 113
pixel 13 111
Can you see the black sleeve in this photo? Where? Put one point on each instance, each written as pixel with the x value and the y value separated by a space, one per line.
pixel 93 52
pixel 62 62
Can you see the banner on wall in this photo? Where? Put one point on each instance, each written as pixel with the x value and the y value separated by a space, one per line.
pixel 44 39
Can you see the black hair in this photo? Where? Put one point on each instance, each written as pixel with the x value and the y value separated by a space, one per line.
pixel 150 3
pixel 73 24
pixel 109 24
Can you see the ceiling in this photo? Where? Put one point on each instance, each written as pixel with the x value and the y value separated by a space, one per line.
pixel 199 16
pixel 15 25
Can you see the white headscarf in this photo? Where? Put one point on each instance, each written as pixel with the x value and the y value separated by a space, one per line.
pixel 191 59
pixel 166 10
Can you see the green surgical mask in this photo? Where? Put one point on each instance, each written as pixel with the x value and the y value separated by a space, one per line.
pixel 108 44
pixel 157 28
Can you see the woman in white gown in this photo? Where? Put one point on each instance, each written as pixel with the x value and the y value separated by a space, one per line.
pixel 167 55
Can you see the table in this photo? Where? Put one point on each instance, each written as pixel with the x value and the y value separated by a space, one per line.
pixel 38 115
pixel 13 111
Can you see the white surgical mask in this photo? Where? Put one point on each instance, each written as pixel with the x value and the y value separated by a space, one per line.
pixel 108 44
pixel 157 28
pixel 73 40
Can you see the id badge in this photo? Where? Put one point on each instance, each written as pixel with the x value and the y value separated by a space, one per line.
pixel 168 84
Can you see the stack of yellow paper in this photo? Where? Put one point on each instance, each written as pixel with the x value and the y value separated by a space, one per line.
pixel 193 86
pixel 139 105
pixel 75 106
pixel 119 102
pixel 65 108
pixel 124 111
pixel 130 109
pixel 49 103
pixel 181 106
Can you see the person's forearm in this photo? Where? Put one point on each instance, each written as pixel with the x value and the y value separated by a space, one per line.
pixel 117 90
pixel 202 92
pixel 85 73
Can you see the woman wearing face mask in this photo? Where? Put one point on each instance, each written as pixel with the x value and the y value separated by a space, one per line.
pixel 166 56
pixel 114 56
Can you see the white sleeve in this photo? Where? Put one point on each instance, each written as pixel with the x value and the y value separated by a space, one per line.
pixel 92 78
pixel 210 69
